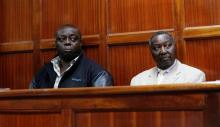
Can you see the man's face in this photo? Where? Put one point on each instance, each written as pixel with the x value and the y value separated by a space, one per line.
pixel 163 51
pixel 68 43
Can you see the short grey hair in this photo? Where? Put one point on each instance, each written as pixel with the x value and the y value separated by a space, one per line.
pixel 160 33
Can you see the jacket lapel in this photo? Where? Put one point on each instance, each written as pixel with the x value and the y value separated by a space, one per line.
pixel 177 72
pixel 152 77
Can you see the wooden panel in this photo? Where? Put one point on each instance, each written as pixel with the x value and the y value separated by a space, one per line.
pixel 99 119
pixel 204 54
pixel 83 13
pixel 186 105
pixel 29 120
pixel 88 16
pixel 123 119
pixel 16 20
pixel 55 13
pixel 16 70
pixel 19 46
pixel 202 32
pixel 125 61
pixel 92 53
pixel 149 118
pixel 83 119
pixel 193 119
pixel 140 119
pixel 132 37
pixel 202 12
pixel 171 119
pixel 47 55
pixel 139 15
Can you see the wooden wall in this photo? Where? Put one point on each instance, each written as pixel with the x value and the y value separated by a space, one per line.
pixel 114 34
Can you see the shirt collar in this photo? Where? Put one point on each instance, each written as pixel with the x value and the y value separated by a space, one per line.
pixel 168 69
pixel 56 64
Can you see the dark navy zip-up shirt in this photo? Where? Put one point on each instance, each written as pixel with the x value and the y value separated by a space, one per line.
pixel 83 73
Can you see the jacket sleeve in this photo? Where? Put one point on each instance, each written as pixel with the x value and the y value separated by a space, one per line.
pixel 33 84
pixel 133 82
pixel 102 79
pixel 201 77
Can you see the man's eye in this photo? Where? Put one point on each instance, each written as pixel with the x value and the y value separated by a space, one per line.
pixel 61 39
pixel 170 45
pixel 156 48
pixel 74 38
pixel 166 46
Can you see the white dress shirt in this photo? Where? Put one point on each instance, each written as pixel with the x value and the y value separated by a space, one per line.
pixel 56 66
pixel 161 74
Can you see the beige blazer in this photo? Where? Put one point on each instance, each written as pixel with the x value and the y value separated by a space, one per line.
pixel 181 73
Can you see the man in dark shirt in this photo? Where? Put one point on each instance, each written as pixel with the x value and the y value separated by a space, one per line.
pixel 70 68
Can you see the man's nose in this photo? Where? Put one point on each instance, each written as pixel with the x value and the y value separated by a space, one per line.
pixel 67 41
pixel 163 49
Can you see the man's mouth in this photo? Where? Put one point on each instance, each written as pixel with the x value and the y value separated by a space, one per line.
pixel 165 58
pixel 67 50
